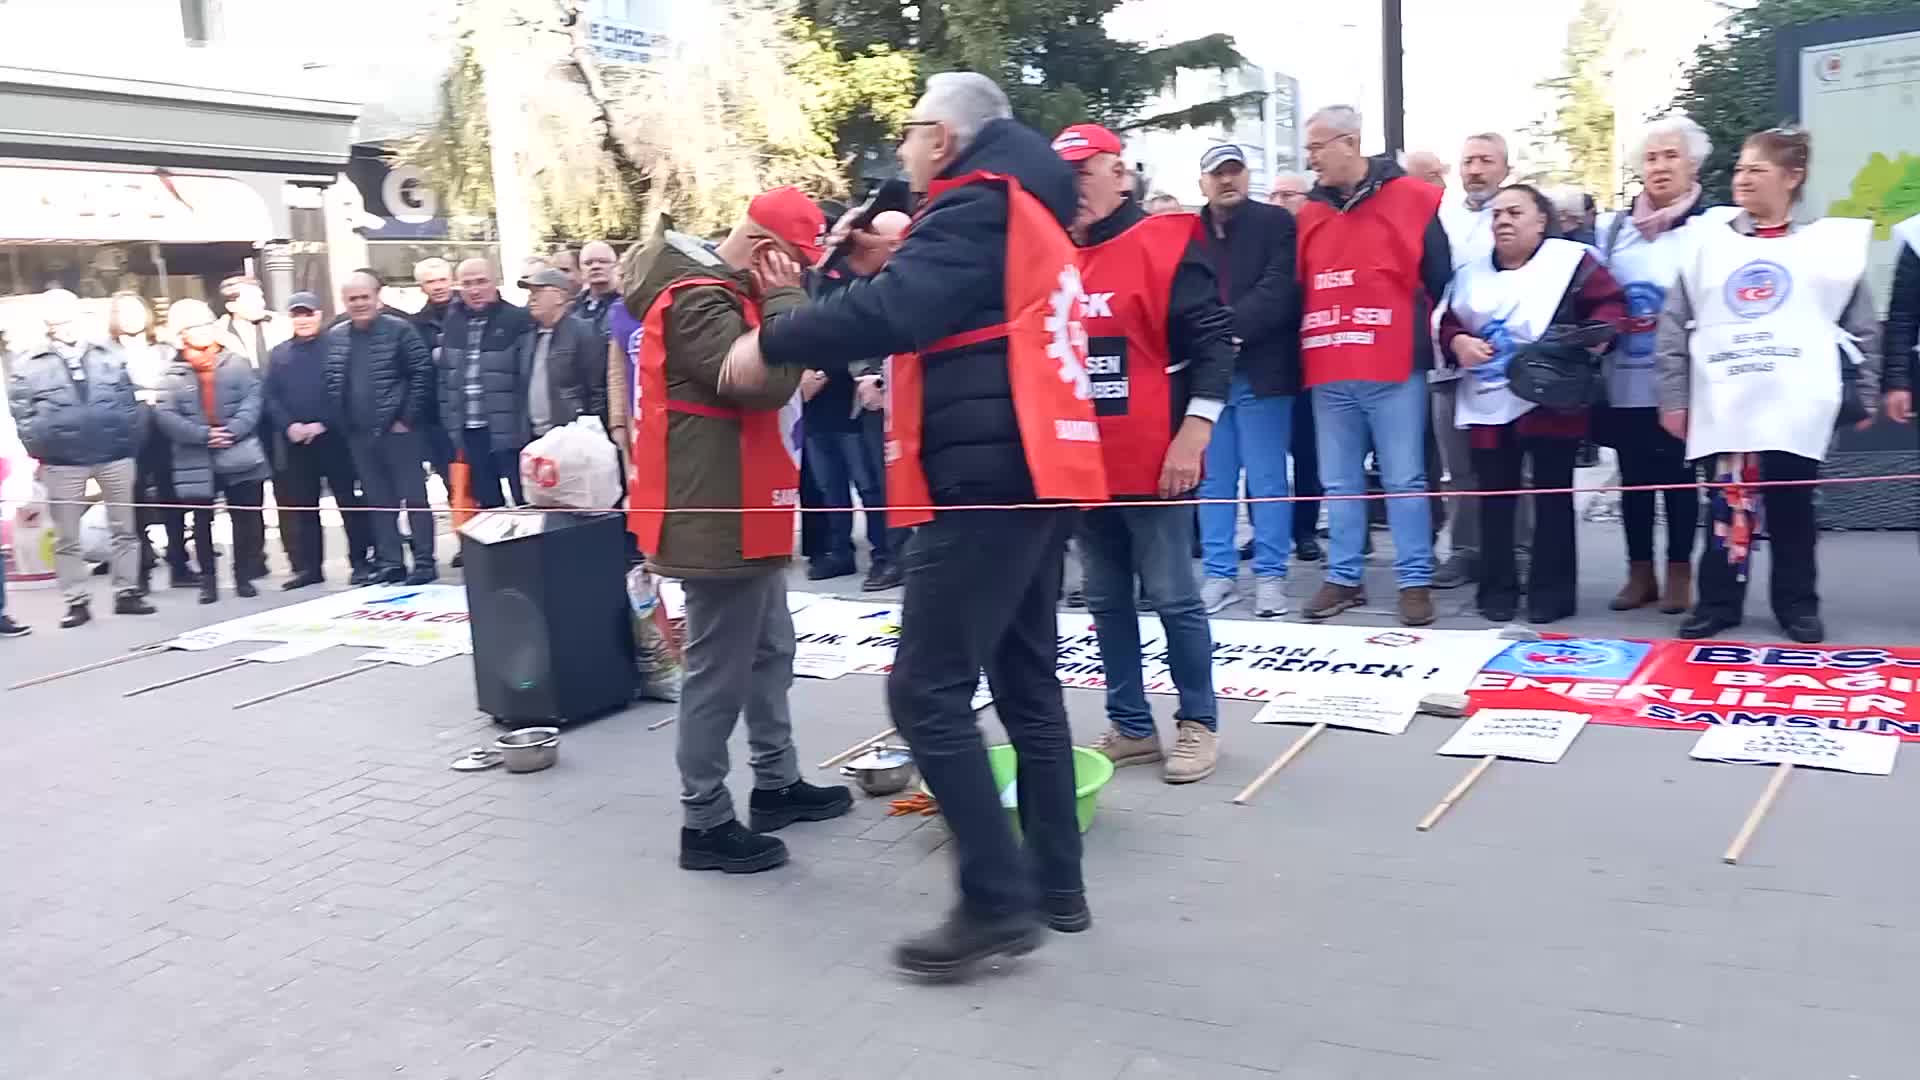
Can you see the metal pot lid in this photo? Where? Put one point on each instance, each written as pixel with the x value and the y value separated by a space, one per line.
pixel 885 757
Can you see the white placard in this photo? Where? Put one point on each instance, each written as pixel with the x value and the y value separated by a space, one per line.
pixel 1386 713
pixel 207 637
pixel 1843 751
pixel 1541 735
pixel 411 655
pixel 821 661
pixel 291 650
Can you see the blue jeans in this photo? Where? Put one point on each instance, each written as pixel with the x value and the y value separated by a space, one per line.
pixel 1253 433
pixel 839 460
pixel 1153 542
pixel 1391 419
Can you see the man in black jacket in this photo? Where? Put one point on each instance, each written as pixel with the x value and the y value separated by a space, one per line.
pixel 483 390
pixel 981 585
pixel 312 439
pixel 377 379
pixel 1903 323
pixel 1251 244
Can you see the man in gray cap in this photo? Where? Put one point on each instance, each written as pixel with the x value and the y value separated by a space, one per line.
pixel 565 362
pixel 310 445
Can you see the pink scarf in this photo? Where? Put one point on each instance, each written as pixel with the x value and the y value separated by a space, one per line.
pixel 1652 221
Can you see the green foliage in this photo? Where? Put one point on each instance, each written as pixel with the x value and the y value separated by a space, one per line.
pixel 454 153
pixel 1583 120
pixel 1730 88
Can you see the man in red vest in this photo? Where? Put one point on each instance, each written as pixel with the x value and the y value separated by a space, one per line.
pixel 699 444
pixel 989 407
pixel 1160 354
pixel 1370 241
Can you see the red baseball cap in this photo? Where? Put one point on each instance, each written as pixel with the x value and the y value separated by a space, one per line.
pixel 1082 141
pixel 787 213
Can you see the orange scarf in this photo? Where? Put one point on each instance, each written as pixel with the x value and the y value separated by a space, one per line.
pixel 204 363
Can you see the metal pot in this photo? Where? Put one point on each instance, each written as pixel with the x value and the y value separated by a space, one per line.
pixel 529 749
pixel 883 770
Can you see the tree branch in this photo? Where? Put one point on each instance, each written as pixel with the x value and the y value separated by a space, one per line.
pixel 580 55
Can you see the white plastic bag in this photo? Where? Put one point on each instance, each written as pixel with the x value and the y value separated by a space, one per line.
pixel 96 540
pixel 572 467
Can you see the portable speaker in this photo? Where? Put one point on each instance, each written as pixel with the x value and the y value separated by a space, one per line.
pixel 552 632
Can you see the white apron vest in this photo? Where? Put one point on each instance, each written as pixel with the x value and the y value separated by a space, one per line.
pixel 1469 237
pixel 1646 270
pixel 1509 308
pixel 1766 344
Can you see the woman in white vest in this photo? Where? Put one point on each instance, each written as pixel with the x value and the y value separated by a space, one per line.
pixel 1498 304
pixel 1903 322
pixel 1644 248
pixel 1768 340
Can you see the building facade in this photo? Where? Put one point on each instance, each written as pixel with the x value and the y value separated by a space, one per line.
pixel 1268 130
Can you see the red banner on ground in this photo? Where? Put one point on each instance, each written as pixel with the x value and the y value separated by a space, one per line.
pixel 1689 685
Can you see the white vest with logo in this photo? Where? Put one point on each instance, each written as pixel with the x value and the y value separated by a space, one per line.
pixel 1508 308
pixel 1766 345
pixel 1646 270
pixel 1469 237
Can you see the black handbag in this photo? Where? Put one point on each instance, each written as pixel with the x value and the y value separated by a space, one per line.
pixel 1561 370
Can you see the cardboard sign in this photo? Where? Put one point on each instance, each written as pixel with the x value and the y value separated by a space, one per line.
pixel 1522 734
pixel 1842 751
pixel 1387 714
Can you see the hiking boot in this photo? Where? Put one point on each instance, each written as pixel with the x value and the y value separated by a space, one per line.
pixel 1123 749
pixel 947 951
pixel 1196 750
pixel 731 849
pixel 1067 913
pixel 1270 597
pixel 1679 594
pixel 776 808
pixel 882 575
pixel 78 614
pixel 1217 594
pixel 130 603
pixel 1416 606
pixel 9 628
pixel 1639 591
pixel 1334 598
pixel 1458 570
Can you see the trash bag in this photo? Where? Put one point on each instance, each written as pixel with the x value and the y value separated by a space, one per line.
pixel 656 638
pixel 572 467
pixel 96 539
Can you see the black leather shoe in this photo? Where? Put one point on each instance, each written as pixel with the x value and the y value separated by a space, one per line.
pixel 1499 613
pixel 130 603
pixel 209 591
pixel 244 588
pixel 827 569
pixel 77 615
pixel 1246 551
pixel 1067 913
pixel 1541 614
pixel 392 575
pixel 731 849
pixel 423 574
pixel 1700 626
pixel 179 577
pixel 775 809
pixel 300 581
pixel 9 628
pixel 963 940
pixel 883 575
pixel 363 575
pixel 1805 629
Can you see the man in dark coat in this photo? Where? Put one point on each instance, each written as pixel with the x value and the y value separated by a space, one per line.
pixel 313 448
pixel 483 389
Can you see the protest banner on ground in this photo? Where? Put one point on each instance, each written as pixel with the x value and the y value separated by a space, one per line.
pixel 376 617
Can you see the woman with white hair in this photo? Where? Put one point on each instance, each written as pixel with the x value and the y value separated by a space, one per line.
pixel 1644 248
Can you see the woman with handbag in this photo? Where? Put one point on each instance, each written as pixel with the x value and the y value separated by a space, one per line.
pixel 1767 342
pixel 1527 324
pixel 211 413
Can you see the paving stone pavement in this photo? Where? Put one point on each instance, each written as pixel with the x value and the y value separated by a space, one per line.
pixel 304 890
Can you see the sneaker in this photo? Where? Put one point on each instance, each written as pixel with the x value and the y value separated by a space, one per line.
pixel 77 615
pixel 1217 594
pixel 1334 598
pixel 1270 597
pixel 828 569
pixel 776 808
pixel 1066 913
pixel 1416 606
pixel 882 575
pixel 1123 749
pixel 731 849
pixel 9 628
pixel 423 574
pixel 963 940
pixel 130 603
pixel 1196 751
pixel 1458 570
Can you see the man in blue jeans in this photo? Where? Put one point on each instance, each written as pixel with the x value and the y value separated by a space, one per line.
pixel 1370 240
pixel 1159 355
pixel 1250 246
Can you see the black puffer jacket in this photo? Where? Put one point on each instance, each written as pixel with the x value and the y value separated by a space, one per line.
pixel 398 365
pixel 64 422
pixel 503 374
pixel 947 278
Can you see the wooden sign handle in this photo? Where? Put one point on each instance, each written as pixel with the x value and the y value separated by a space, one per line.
pixel 1459 790
pixel 856 748
pixel 1279 763
pixel 1760 808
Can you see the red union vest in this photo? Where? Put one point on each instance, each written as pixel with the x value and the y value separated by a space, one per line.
pixel 1046 367
pixel 1129 282
pixel 1360 270
pixel 769 451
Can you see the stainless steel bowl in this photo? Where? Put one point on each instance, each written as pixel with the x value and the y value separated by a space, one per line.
pixel 529 749
pixel 883 770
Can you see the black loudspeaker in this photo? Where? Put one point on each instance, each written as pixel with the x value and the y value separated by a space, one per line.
pixel 552 632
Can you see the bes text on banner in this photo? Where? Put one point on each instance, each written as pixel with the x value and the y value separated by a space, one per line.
pixel 1689 686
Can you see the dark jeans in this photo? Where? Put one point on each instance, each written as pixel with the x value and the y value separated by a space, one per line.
pixel 249 529
pixel 1150 544
pixel 1551 579
pixel 1648 455
pixel 813 525
pixel 981 587
pixel 153 483
pixel 327 457
pixel 1306 469
pixel 1791 533
pixel 840 461
pixel 487 466
pixel 389 466
pixel 439 446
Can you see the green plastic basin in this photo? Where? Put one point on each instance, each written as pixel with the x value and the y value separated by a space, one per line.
pixel 1091 771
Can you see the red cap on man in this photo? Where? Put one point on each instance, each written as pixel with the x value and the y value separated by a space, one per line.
pixel 1082 141
pixel 787 213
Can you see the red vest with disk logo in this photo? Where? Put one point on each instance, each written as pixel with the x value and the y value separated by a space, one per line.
pixel 1360 270
pixel 1129 282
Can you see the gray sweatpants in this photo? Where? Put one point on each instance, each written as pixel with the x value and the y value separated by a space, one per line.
pixel 739 657
pixel 66 486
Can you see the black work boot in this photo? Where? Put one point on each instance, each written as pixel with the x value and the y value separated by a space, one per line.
pixel 78 614
pixel 775 809
pixel 1067 913
pixel 729 848
pixel 949 950
pixel 130 602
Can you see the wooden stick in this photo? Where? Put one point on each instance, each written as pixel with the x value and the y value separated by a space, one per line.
pixel 1760 808
pixel 1453 796
pixel 663 722
pixel 201 674
pixel 364 665
pixel 849 752
pixel 1279 763
pixel 145 650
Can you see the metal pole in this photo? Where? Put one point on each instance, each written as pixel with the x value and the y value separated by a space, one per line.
pixel 1393 76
